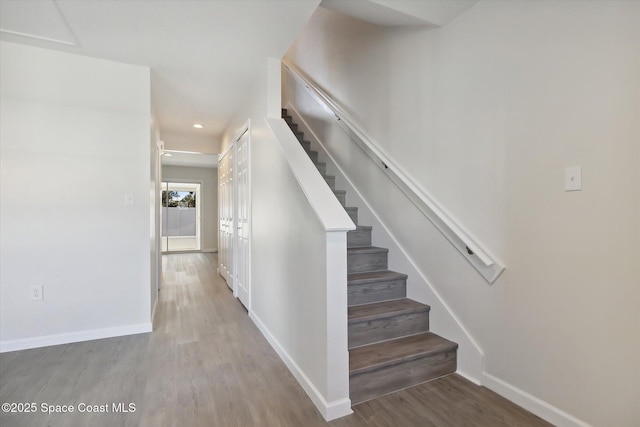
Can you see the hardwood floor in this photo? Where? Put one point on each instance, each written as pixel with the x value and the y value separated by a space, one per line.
pixel 206 364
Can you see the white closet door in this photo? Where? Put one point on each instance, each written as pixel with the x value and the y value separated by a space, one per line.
pixel 226 217
pixel 243 213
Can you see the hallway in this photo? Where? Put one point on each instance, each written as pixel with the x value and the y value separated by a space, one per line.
pixel 206 364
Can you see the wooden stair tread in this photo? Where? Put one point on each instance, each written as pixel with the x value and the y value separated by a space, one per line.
pixel 365 250
pixel 376 310
pixel 363 228
pixel 392 352
pixel 374 276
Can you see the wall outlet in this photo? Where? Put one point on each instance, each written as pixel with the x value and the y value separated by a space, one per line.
pixel 129 199
pixel 573 178
pixel 37 293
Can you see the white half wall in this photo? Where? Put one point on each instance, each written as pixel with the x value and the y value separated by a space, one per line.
pixel 289 253
pixel 75 146
pixel 485 114
pixel 209 195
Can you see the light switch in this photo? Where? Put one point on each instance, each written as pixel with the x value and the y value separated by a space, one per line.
pixel 573 178
pixel 129 199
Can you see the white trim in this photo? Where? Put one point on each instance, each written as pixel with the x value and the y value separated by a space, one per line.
pixel 244 129
pixel 158 218
pixel 531 403
pixel 487 265
pixel 326 206
pixel 209 250
pixel 226 150
pixel 328 410
pixel 71 337
pixel 468 377
pixel 226 247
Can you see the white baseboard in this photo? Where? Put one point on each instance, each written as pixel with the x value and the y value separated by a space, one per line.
pixel 329 410
pixel 209 250
pixel 468 377
pixel 531 403
pixel 71 337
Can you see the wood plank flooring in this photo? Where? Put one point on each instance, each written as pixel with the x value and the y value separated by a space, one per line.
pixel 206 364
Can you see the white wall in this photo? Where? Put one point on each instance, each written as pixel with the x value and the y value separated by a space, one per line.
pixel 289 294
pixel 485 114
pixel 209 199
pixel 74 139
pixel 190 142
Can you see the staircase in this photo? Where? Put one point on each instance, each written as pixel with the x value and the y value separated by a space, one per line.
pixel 390 346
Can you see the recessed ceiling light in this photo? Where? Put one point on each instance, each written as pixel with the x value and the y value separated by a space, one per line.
pixel 198 126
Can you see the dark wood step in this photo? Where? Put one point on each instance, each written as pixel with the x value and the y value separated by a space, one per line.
pixel 306 145
pixel 381 321
pixel 375 286
pixel 341 195
pixel 361 236
pixel 293 126
pixel 365 258
pixel 393 365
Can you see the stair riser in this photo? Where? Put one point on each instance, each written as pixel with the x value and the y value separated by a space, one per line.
pixel 331 181
pixel 341 198
pixel 369 332
pixel 358 263
pixel 373 384
pixel 368 293
pixel 322 167
pixel 353 214
pixel 358 238
pixel 313 155
pixel 306 145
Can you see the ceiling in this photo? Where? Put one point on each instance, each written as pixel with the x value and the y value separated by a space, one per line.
pixel 401 13
pixel 204 55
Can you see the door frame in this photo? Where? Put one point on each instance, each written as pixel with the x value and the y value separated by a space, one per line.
pixel 224 251
pixel 198 213
pixel 245 128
